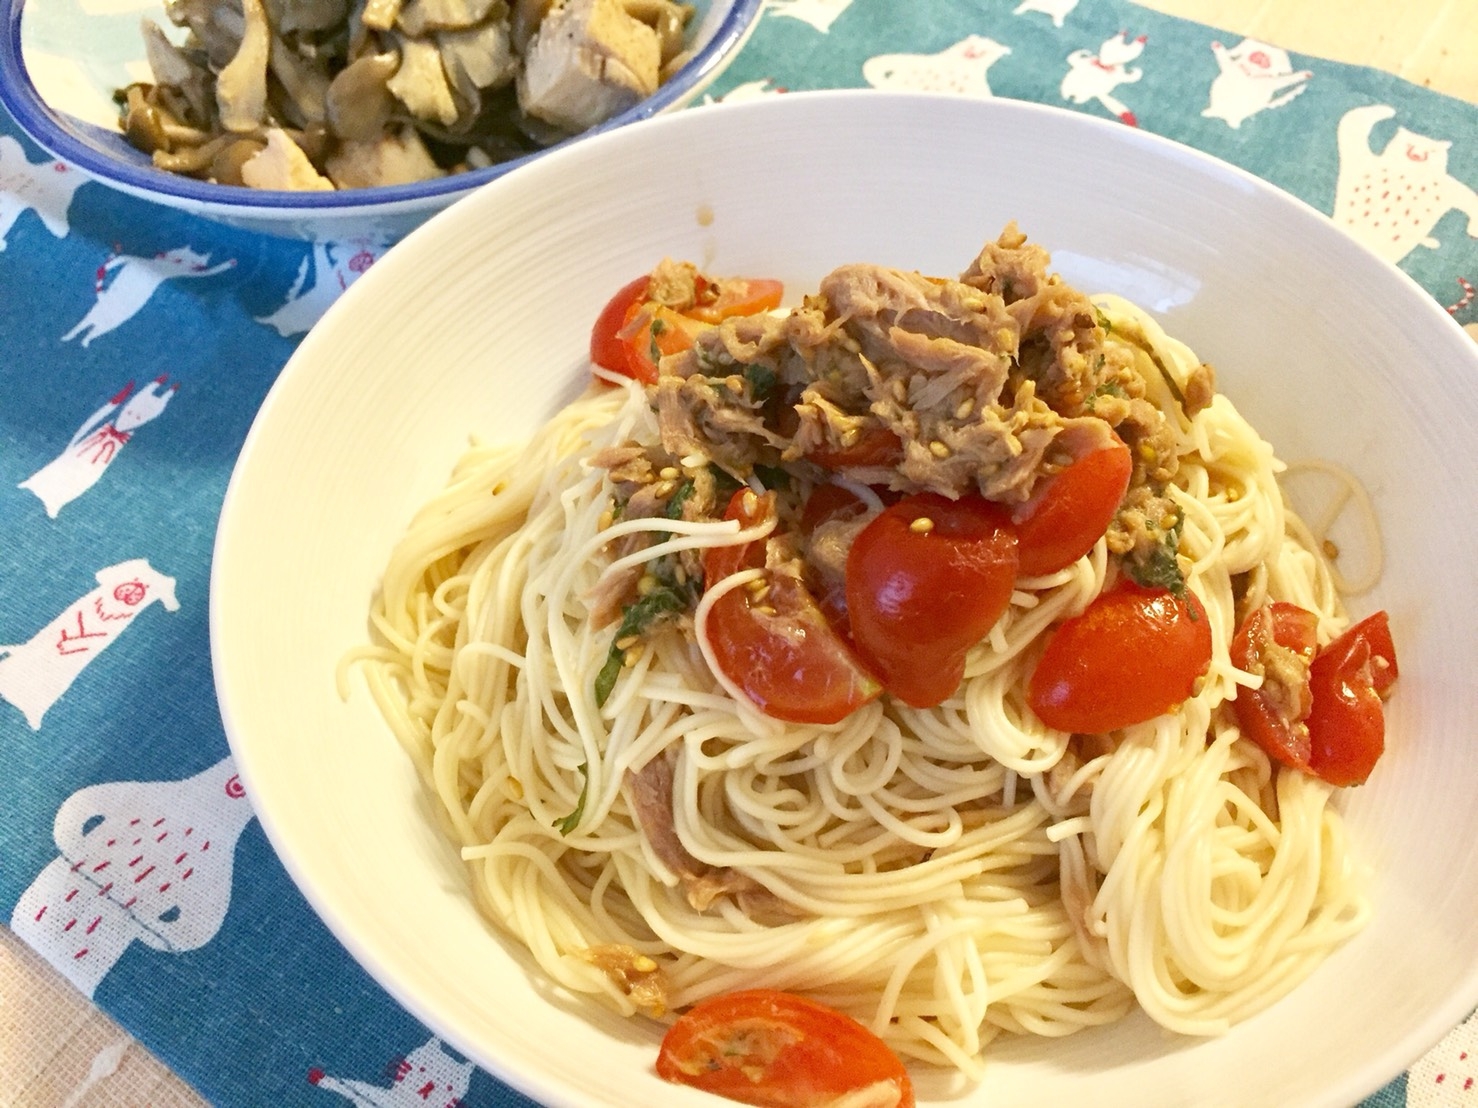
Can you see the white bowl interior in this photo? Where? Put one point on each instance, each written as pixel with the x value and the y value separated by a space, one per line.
pixel 477 324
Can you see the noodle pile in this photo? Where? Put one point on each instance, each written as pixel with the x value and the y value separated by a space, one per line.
pixel 944 874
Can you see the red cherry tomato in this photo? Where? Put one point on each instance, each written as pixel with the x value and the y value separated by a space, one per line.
pixel 606 349
pixel 775 643
pixel 926 579
pixel 778 1050
pixel 1349 679
pixel 1070 510
pixel 1268 719
pixel 733 296
pixel 650 333
pixel 877 446
pixel 1133 654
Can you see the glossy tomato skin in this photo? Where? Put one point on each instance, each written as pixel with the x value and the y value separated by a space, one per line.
pixel 606 348
pixel 650 333
pixel 1071 510
pixel 1349 679
pixel 775 643
pixel 735 296
pixel 778 1050
pixel 877 446
pixel 1133 654
pixel 1284 739
pixel 926 580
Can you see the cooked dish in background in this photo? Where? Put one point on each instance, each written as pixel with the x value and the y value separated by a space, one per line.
pixel 327 94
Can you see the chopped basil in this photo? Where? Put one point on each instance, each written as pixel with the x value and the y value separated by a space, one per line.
pixel 772 477
pixel 1108 388
pixel 638 618
pixel 657 328
pixel 761 381
pixel 1103 321
pixel 1160 568
pixel 674 509
pixel 572 821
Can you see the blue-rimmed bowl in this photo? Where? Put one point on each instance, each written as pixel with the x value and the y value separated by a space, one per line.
pixel 60 61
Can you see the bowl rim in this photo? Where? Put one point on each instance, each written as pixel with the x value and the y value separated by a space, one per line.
pixel 1419 1036
pixel 43 124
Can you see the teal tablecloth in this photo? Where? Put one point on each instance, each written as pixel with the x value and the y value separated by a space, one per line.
pixel 135 347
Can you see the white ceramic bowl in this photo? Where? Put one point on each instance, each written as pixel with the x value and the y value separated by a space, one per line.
pixel 477 324
pixel 61 60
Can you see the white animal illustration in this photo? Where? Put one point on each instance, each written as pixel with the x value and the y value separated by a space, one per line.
pixel 1059 10
pixel 146 861
pixel 1392 200
pixel 34 674
pixel 1096 76
pixel 1253 77
pixel 45 188
pixel 820 14
pixel 960 68
pixel 427 1077
pixel 1447 1075
pixel 90 452
pixel 125 283
pixel 333 267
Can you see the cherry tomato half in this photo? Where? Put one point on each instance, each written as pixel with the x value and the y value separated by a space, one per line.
pixel 651 332
pixel 779 1050
pixel 733 296
pixel 1349 679
pixel 1070 510
pixel 606 349
pixel 1133 654
pixel 926 579
pixel 1275 719
pixel 773 641
pixel 877 446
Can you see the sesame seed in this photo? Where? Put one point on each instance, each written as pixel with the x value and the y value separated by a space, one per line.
pixel 647 585
pixel 669 473
pixel 938 449
pixel 751 502
pixel 921 526
pixel 734 383
pixel 694 461
pixel 1331 550
pixel 851 435
pixel 1147 452
pixel 514 788
pixel 664 488
pixel 632 657
pixel 642 964
pixel 966 406
pixel 499 487
pixel 627 642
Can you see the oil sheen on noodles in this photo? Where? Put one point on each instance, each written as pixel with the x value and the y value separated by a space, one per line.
pixel 945 875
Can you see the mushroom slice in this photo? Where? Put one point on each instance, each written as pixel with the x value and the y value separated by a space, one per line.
pixel 290 16
pixel 283 165
pixel 588 61
pixel 305 80
pixel 418 17
pixel 421 85
pixel 241 87
pixel 398 158
pixel 478 58
pixel 358 104
pixel 669 20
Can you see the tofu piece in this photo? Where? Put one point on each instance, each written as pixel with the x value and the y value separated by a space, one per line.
pixel 398 158
pixel 283 165
pixel 588 61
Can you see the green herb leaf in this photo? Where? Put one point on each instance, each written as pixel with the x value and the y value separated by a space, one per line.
pixel 658 327
pixel 761 381
pixel 1103 321
pixel 773 477
pixel 637 620
pixel 1160 569
pixel 680 495
pixel 572 821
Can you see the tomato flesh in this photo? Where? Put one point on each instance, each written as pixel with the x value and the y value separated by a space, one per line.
pixel 774 642
pixel 1349 679
pixel 606 348
pixel 1071 509
pixel 1133 654
pixel 1276 722
pixel 877 446
pixel 651 332
pixel 926 580
pixel 779 1050
pixel 735 296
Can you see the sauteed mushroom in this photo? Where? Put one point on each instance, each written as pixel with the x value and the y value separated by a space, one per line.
pixel 351 93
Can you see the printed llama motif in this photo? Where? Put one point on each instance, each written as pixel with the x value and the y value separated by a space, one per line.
pixel 90 451
pixel 146 861
pixel 1059 10
pixel 427 1077
pixel 34 674
pixel 1095 76
pixel 1253 77
pixel 820 14
pixel 960 68
pixel 125 283
pixel 1392 200
pixel 45 188
pixel 1447 1075
pixel 333 266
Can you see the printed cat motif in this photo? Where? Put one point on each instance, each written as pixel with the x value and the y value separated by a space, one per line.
pixel 820 14
pixel 1253 77
pixel 427 1077
pixel 960 68
pixel 1095 76
pixel 1059 10
pixel 1392 200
